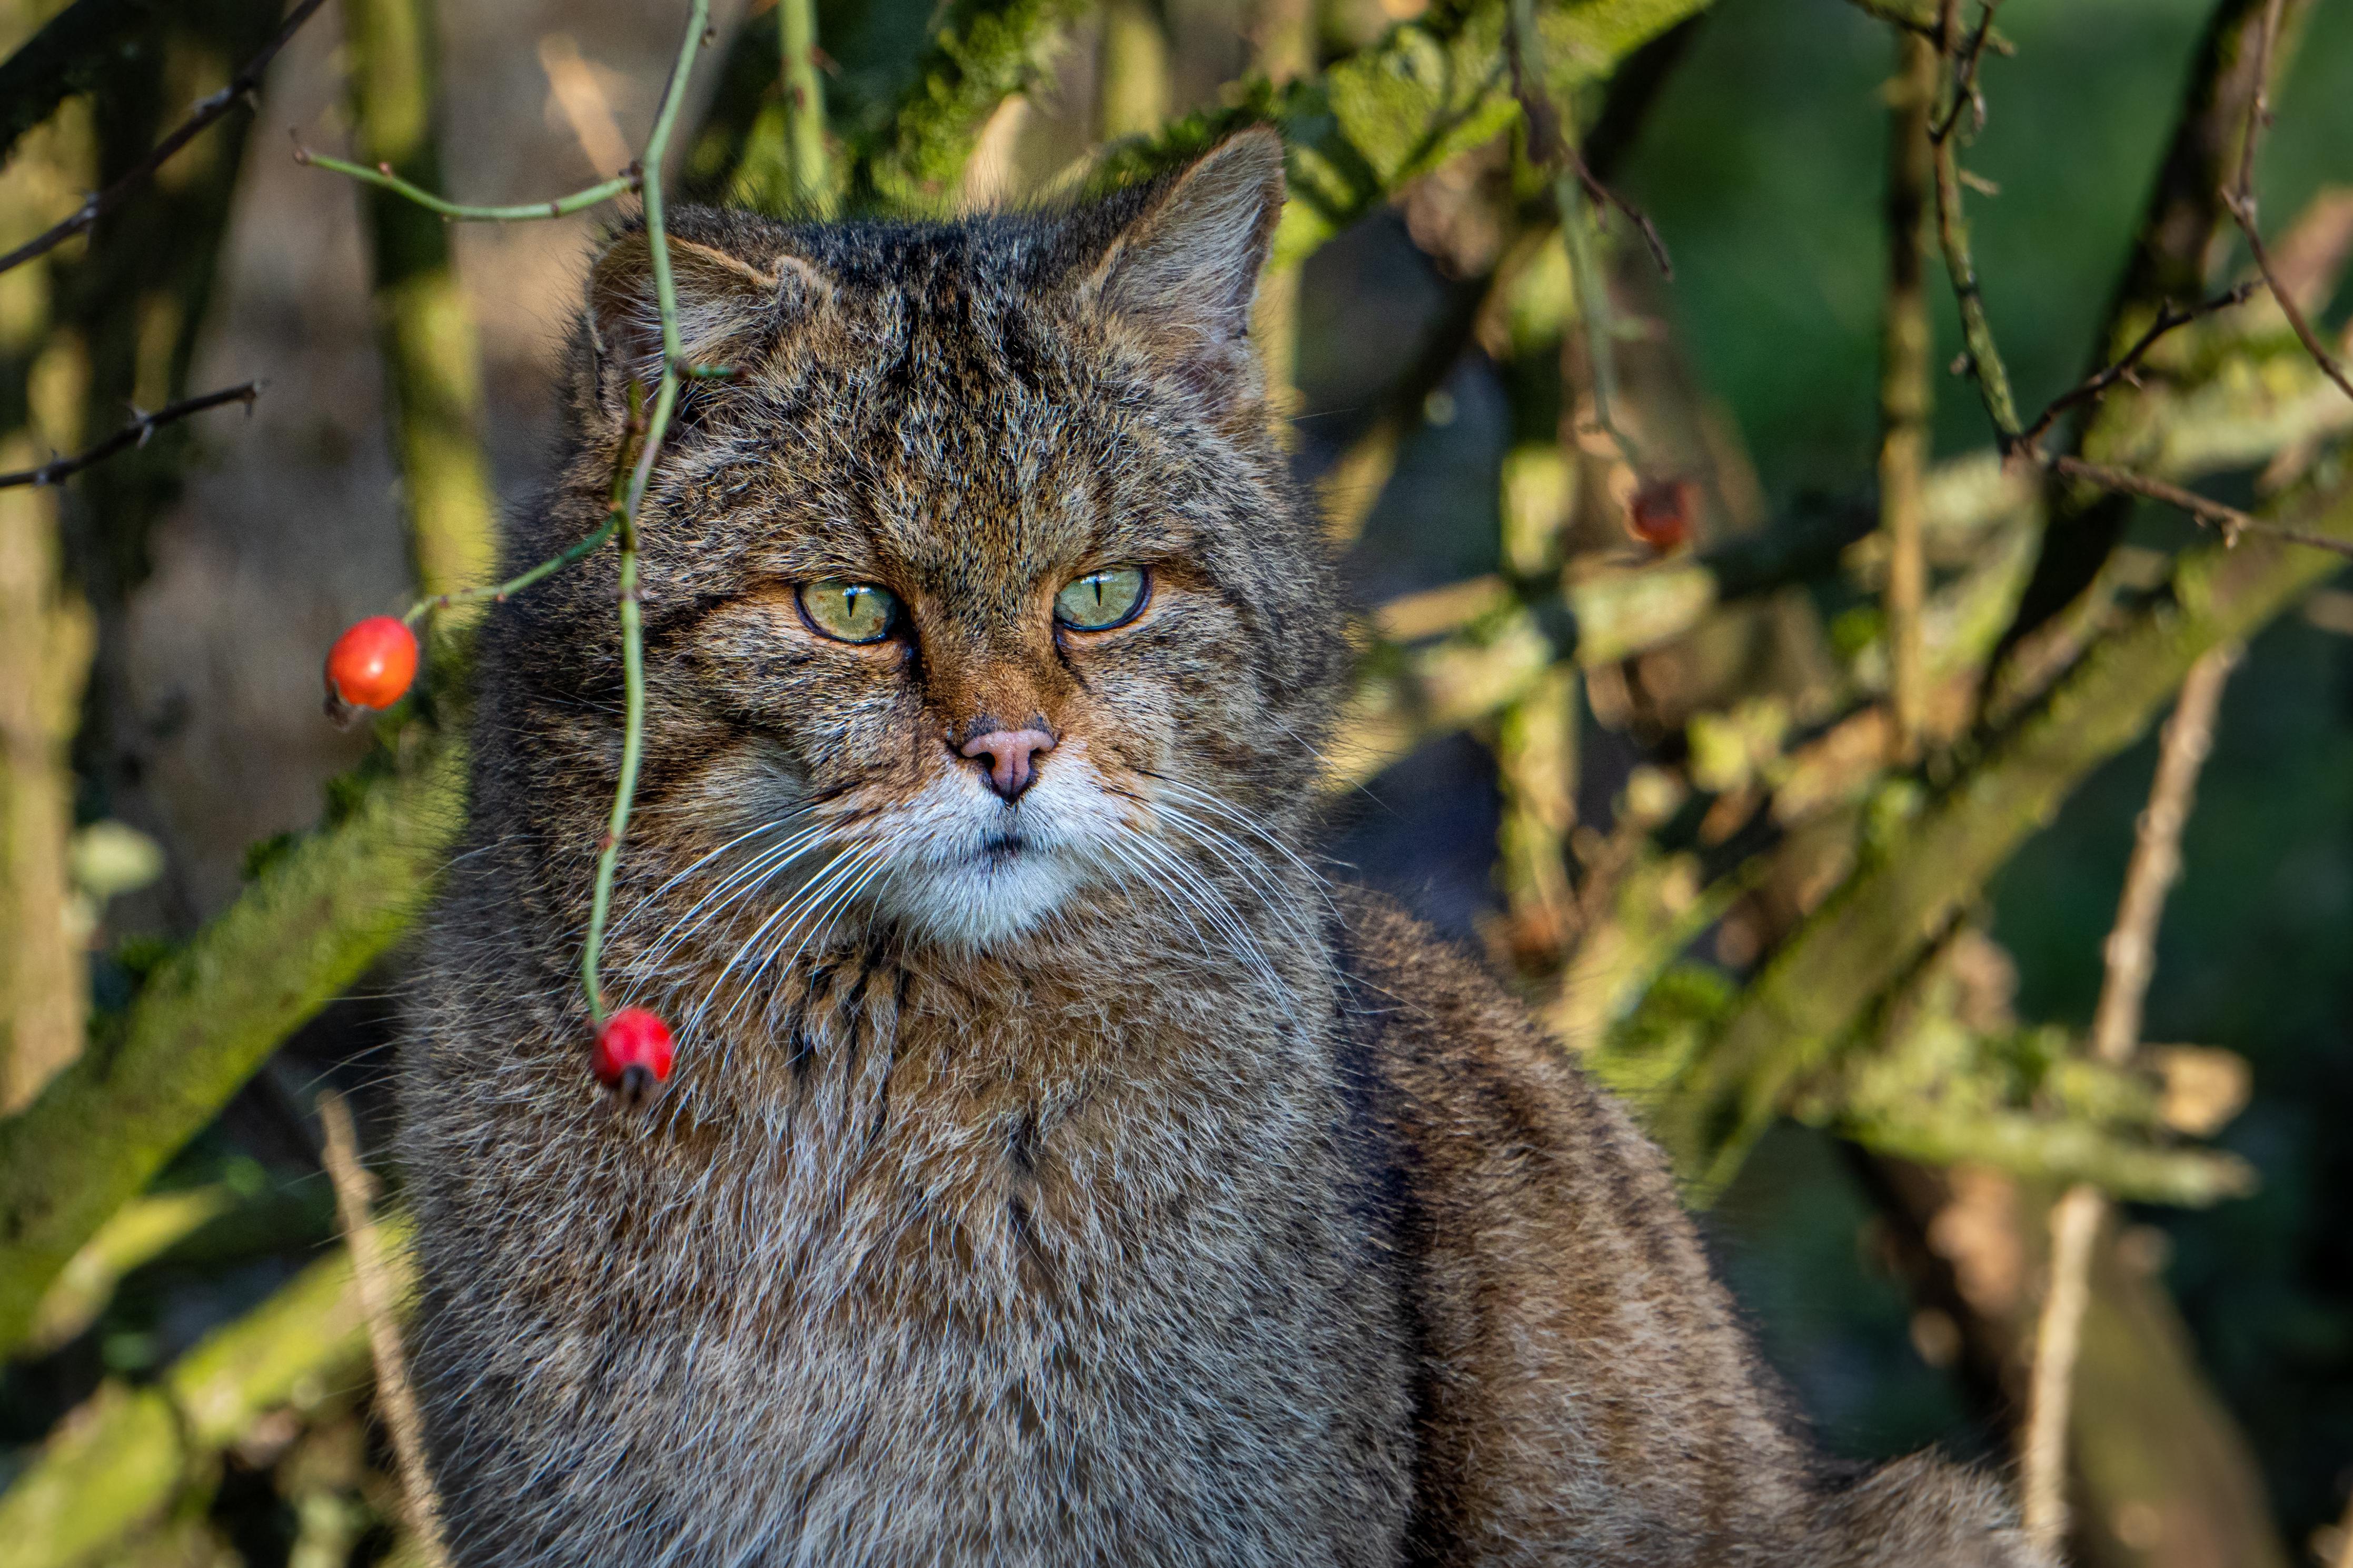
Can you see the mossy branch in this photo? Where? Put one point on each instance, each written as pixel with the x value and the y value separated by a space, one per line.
pixel 981 53
pixel 69 56
pixel 310 925
pixel 118 1462
pixel 1865 935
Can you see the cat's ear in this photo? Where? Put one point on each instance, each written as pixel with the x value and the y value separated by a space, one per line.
pixel 1182 274
pixel 726 307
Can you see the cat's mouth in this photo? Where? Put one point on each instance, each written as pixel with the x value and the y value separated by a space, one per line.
pixel 997 849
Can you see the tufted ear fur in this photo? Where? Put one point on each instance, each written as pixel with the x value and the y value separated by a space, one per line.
pixel 723 305
pixel 1182 274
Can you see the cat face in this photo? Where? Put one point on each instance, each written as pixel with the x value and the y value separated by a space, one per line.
pixel 978 597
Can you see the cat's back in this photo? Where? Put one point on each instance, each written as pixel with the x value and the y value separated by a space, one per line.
pixel 1586 1392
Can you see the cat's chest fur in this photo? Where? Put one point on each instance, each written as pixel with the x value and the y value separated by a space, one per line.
pixel 905 1279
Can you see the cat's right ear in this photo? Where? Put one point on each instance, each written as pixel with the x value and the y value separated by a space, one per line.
pixel 727 307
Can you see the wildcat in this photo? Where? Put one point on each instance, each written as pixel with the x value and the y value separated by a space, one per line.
pixel 1058 1171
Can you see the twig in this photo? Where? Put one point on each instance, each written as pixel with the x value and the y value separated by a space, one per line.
pixel 2130 951
pixel 135 433
pixel 1983 359
pixel 1573 187
pixel 1985 365
pixel 2240 202
pixel 2130 962
pixel 2093 387
pixel 247 81
pixel 1551 148
pixel 2229 519
pixel 2058 1334
pixel 396 1399
pixel 620 185
pixel 1966 92
pixel 633 470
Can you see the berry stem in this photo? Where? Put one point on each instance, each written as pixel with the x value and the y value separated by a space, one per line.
pixel 620 185
pixel 633 662
pixel 493 592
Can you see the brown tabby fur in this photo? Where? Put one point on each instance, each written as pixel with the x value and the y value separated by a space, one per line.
pixel 1073 1180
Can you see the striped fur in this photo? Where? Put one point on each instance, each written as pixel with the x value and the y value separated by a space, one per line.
pixel 1080 1180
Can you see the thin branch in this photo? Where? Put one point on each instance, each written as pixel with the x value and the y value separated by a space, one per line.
pixel 1984 362
pixel 135 433
pixel 1551 148
pixel 2130 951
pixel 2230 519
pixel 1573 187
pixel 2058 1336
pixel 1966 95
pixel 2130 962
pixel 245 83
pixel 2297 320
pixel 621 185
pixel 2093 387
pixel 2240 202
pixel 1983 359
pixel 395 1398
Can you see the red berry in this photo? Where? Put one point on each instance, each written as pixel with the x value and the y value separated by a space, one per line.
pixel 1660 514
pixel 372 664
pixel 634 1052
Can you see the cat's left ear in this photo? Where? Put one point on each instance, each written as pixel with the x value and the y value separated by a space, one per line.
pixel 1182 274
pixel 726 307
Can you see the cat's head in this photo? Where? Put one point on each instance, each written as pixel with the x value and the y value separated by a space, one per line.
pixel 979 593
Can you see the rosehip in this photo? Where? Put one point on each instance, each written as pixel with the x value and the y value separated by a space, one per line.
pixel 1660 514
pixel 634 1052
pixel 372 664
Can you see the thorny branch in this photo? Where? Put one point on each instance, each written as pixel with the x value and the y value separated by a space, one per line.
pixel 2093 387
pixel 2240 202
pixel 244 84
pixel 1966 94
pixel 1983 359
pixel 135 433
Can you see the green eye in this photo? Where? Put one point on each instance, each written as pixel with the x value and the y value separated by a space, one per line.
pixel 1102 600
pixel 850 612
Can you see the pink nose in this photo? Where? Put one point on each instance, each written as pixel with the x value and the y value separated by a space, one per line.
pixel 1010 752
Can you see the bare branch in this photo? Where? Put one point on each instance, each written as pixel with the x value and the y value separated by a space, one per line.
pixel 2058 1336
pixel 244 84
pixel 2130 961
pixel 2094 386
pixel 1966 95
pixel 2131 950
pixel 135 433
pixel 396 1399
pixel 2240 202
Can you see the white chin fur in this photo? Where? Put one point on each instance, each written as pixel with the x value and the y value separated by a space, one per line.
pixel 948 885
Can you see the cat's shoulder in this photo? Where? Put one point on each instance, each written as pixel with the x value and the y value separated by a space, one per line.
pixel 1462 1056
